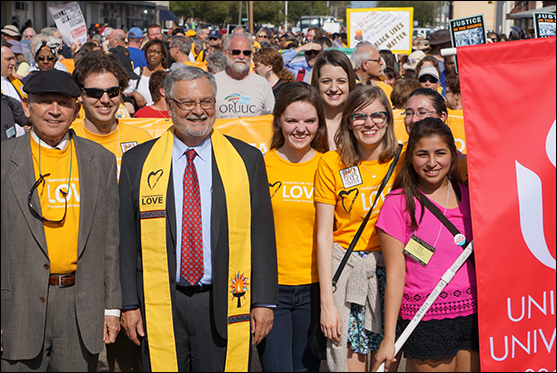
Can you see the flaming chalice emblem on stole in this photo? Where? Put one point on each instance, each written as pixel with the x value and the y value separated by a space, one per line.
pixel 239 287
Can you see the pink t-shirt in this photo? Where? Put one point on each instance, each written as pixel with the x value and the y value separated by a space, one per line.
pixel 459 298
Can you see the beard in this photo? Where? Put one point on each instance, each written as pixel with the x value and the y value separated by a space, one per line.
pixel 189 130
pixel 238 66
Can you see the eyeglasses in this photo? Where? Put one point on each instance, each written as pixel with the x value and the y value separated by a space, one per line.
pixel 237 52
pixel 151 51
pixel 313 52
pixel 32 209
pixel 428 78
pixel 376 60
pixel 207 104
pixel 420 113
pixel 42 58
pixel 359 119
pixel 212 39
pixel 98 92
pixel 262 36
pixel 494 40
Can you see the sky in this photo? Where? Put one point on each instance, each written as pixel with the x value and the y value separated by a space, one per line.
pixel 363 4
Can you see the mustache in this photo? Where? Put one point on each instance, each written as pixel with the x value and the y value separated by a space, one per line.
pixel 195 117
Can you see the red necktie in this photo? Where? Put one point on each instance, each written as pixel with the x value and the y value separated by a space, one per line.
pixel 191 268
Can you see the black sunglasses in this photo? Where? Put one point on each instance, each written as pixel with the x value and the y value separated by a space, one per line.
pixel 42 58
pixel 32 209
pixel 98 93
pixel 312 52
pixel 237 52
pixel 427 78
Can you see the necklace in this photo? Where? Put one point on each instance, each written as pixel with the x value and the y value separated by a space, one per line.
pixel 444 212
pixel 374 172
pixel 160 112
pixel 117 144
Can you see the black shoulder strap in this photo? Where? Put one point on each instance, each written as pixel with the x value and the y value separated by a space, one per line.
pixel 364 222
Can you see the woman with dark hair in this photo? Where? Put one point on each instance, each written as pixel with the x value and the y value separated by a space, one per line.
pixel 423 103
pixel 334 78
pixel 269 64
pixel 346 185
pixel 452 92
pixel 391 76
pixel 299 140
pixel 156 88
pixel 447 337
pixel 157 58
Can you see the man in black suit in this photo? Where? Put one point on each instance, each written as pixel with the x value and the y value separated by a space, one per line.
pixel 183 321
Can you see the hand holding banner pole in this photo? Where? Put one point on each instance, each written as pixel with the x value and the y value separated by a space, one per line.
pixel 445 279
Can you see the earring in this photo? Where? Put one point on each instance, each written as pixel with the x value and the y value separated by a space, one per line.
pixel 164 60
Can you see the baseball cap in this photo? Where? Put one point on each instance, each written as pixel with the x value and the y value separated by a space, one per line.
pixel 135 32
pixel 16 46
pixel 52 81
pixel 214 34
pixel 10 30
pixel 428 70
pixel 413 59
pixel 191 33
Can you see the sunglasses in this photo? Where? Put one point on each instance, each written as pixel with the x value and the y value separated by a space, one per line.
pixel 32 209
pixel 312 52
pixel 98 93
pixel 42 58
pixel 237 52
pixel 262 36
pixel 427 78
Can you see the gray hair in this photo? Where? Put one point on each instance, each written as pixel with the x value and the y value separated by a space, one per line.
pixel 49 31
pixel 231 37
pixel 199 43
pixel 182 42
pixel 361 54
pixel 217 61
pixel 188 73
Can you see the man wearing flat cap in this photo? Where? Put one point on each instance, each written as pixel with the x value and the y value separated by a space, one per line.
pixel 438 40
pixel 61 294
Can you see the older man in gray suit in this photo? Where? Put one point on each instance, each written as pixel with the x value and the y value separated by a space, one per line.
pixel 60 276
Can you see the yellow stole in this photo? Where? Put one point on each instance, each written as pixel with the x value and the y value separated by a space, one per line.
pixel 152 205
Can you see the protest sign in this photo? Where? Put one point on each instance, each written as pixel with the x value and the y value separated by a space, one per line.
pixel 511 145
pixel 70 22
pixel 468 31
pixel 386 28
pixel 544 25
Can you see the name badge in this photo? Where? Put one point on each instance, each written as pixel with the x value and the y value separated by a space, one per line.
pixel 419 250
pixel 350 177
pixel 245 100
pixel 10 132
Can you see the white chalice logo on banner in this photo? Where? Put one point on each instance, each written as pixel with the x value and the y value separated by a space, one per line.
pixel 531 205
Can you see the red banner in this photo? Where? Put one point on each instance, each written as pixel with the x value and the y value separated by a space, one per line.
pixel 508 92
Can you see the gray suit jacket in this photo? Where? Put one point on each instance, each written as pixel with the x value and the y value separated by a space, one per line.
pixel 264 277
pixel 25 263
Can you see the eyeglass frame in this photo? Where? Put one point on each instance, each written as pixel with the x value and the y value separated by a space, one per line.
pixel 263 36
pixel 351 116
pixel 32 209
pixel 179 104
pixel 49 59
pixel 377 60
pixel 428 78
pixel 313 52
pixel 237 52
pixel 429 112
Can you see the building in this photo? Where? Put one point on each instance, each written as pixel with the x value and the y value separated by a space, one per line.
pixel 117 14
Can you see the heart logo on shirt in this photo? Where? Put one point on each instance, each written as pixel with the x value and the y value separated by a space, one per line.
pixel 347 193
pixel 275 187
pixel 153 178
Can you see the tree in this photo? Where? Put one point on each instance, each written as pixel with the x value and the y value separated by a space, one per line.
pixel 424 11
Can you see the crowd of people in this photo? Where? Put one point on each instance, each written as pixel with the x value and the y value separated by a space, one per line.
pixel 180 251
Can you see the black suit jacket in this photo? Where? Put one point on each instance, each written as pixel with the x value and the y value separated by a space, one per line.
pixel 264 278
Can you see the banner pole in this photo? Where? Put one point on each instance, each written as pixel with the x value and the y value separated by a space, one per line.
pixel 445 279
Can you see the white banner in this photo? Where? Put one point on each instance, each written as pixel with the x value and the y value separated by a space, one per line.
pixel 386 28
pixel 70 22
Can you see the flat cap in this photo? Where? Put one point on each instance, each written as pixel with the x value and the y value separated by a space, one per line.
pixel 52 81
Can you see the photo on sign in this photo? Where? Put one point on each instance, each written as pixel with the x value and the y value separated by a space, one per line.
pixel 544 24
pixel 468 31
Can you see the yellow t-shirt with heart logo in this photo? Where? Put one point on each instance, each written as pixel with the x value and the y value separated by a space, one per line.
pixel 61 238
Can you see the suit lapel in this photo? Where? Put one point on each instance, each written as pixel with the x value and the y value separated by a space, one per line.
pixel 171 212
pixel 22 180
pixel 218 206
pixel 88 176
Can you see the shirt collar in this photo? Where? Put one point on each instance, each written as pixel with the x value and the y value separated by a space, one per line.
pixel 203 150
pixel 60 146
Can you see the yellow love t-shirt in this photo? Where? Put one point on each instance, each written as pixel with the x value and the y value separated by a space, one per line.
pixel 61 238
pixel 352 190
pixel 292 186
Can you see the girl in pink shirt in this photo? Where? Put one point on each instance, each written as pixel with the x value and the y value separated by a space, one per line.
pixel 447 337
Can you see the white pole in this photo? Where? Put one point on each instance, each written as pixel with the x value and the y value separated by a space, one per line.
pixel 445 279
pixel 286 16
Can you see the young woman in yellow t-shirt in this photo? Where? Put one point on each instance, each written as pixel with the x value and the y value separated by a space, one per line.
pixel 346 185
pixel 299 139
